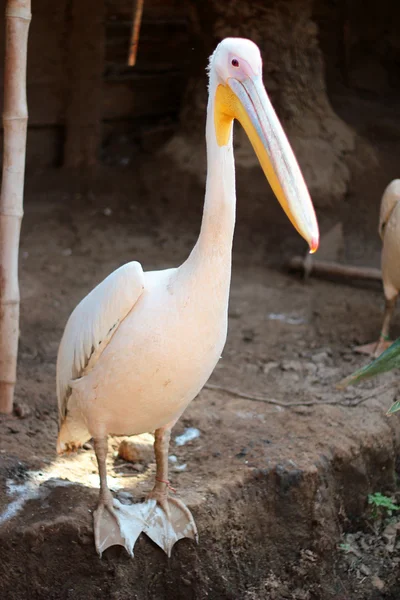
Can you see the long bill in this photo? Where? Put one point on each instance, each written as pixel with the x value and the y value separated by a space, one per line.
pixel 248 102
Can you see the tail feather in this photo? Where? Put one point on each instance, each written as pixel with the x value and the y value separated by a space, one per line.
pixel 71 436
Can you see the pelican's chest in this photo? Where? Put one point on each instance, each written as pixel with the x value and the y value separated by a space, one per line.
pixel 173 338
pixel 161 354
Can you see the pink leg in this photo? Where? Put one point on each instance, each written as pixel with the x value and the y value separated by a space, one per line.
pixel 376 348
pixel 170 520
pixel 161 446
pixel 114 524
pixel 104 516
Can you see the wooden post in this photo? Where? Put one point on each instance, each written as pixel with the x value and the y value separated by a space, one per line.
pixel 15 121
pixel 86 52
pixel 320 267
pixel 136 23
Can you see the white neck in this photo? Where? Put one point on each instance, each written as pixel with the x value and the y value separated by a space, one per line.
pixel 218 221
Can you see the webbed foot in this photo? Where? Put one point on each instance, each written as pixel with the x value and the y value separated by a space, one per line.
pixel 117 524
pixel 167 521
pixel 374 349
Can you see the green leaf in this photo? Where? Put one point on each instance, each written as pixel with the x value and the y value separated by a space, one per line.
pixel 388 360
pixel 383 501
pixel 394 408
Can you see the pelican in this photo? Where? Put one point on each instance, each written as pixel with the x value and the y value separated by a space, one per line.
pixel 389 231
pixel 141 345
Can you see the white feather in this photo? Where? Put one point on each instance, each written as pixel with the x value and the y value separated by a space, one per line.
pixel 93 323
pixel 390 198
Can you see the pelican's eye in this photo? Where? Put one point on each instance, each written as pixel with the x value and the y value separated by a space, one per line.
pixel 235 62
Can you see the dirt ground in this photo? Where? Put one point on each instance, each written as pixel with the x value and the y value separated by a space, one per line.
pixel 278 481
pixel 275 486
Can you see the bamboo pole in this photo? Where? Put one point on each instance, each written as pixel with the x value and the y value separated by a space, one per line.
pixel 15 120
pixel 136 23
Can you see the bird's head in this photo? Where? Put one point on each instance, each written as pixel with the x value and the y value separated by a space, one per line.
pixel 239 93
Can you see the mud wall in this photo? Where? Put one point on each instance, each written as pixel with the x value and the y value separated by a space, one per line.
pixel 360 45
pixel 294 75
pixel 323 62
pixel 77 59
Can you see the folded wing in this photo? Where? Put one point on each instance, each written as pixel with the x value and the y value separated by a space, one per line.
pixel 92 325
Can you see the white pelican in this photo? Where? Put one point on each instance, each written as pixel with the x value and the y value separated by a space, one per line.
pixel 141 346
pixel 389 231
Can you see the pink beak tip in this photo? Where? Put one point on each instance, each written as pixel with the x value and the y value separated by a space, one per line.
pixel 314 243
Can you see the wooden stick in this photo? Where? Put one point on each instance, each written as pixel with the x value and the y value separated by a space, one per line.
pixel 297 263
pixel 15 121
pixel 137 21
pixel 341 401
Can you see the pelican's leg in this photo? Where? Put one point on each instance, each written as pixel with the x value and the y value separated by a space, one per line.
pixel 376 348
pixel 114 523
pixel 102 521
pixel 170 520
pixel 384 340
pixel 161 447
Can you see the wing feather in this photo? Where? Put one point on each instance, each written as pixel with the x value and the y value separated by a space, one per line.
pixel 92 325
pixel 391 197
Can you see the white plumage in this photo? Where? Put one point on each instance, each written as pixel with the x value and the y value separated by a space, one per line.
pixel 141 346
pixel 389 231
pixel 92 325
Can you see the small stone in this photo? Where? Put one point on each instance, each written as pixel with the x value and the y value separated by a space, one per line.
pixel 292 365
pixel 320 357
pixel 389 535
pixel 377 582
pixel 327 372
pixel 87 446
pixel 179 468
pixel 365 570
pixel 310 367
pixel 138 449
pixel 190 434
pixel 308 555
pixel 242 453
pixel 269 366
pixel 137 467
pixel 125 497
pixel 22 410
pixel 347 357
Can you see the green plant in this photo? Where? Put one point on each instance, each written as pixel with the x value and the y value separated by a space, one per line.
pixel 381 505
pixel 387 361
